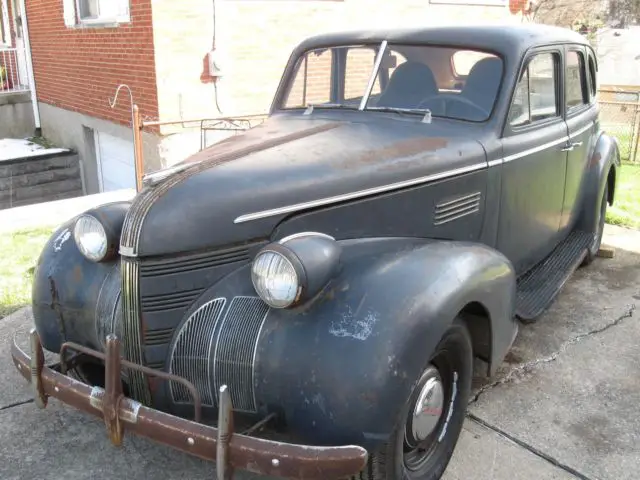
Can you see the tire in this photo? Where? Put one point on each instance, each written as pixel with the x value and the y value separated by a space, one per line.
pixel 592 251
pixel 453 361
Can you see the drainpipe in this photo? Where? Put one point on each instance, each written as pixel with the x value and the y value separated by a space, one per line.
pixel 27 54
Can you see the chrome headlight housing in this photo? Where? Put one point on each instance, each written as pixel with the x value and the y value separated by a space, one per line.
pixel 97 231
pixel 295 269
pixel 91 238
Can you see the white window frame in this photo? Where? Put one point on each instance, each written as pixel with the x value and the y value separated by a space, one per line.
pixel 72 14
pixel 6 25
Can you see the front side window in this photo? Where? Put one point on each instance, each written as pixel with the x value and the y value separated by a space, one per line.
pixel 454 83
pixel 535 98
pixel 576 82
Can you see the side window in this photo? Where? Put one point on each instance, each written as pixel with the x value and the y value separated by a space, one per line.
pixel 535 98
pixel 593 85
pixel 519 113
pixel 360 63
pixel 576 95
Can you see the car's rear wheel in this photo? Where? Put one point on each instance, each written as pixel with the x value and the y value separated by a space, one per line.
pixel 426 434
pixel 592 251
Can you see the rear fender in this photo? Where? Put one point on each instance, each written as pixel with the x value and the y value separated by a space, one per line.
pixel 342 366
pixel 602 169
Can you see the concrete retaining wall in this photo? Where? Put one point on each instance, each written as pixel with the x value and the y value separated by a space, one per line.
pixel 39 179
pixel 16 116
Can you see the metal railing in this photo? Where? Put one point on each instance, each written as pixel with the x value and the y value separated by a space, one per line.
pixel 13 71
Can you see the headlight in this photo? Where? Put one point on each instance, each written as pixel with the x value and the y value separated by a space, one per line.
pixel 275 279
pixel 91 238
pixel 295 269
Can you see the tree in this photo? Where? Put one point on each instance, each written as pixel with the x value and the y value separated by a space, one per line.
pixel 575 14
pixel 624 12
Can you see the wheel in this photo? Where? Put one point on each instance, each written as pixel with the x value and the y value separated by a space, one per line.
pixel 592 251
pixel 430 422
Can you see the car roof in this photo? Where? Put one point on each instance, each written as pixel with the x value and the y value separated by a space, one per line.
pixel 509 40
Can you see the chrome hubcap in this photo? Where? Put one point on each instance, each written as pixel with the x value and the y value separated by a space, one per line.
pixel 429 407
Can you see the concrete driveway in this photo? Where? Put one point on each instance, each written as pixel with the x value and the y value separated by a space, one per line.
pixel 563 406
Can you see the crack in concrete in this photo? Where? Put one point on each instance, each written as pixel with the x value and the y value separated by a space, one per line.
pixel 538 453
pixel 16 404
pixel 529 366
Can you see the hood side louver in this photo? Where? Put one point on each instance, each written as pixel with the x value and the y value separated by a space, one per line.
pixel 456 208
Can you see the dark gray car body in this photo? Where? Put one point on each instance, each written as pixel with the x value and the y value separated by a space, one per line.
pixel 435 220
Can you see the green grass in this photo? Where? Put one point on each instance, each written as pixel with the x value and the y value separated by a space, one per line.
pixel 19 252
pixel 626 208
pixel 41 141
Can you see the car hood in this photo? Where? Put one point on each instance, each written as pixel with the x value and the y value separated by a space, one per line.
pixel 289 161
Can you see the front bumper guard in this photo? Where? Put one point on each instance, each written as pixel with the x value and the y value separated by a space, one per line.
pixel 229 450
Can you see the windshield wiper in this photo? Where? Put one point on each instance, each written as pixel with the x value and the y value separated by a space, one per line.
pixel 313 106
pixel 414 111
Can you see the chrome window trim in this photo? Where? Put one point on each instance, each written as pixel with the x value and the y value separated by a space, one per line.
pixel 537 149
pixel 359 194
pixel 581 130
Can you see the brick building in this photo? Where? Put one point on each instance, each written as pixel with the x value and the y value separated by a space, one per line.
pixel 81 50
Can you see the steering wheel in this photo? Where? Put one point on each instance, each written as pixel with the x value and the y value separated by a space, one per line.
pixel 450 97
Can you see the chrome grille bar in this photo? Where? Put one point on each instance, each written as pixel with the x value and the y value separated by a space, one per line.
pixel 131 327
pixel 192 351
pixel 235 350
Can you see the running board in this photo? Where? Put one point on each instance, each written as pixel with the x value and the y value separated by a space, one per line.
pixel 537 288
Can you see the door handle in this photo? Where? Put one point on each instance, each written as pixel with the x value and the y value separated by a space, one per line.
pixel 577 144
pixel 568 149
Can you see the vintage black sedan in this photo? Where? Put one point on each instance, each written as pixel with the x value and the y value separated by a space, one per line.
pixel 328 277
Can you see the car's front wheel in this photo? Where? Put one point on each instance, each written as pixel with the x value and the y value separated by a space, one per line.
pixel 430 423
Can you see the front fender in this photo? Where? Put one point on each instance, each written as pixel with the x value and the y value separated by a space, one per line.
pixel 69 294
pixel 341 368
pixel 605 160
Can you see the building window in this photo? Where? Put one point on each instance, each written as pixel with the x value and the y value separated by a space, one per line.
pixel 96 12
pixel 5 31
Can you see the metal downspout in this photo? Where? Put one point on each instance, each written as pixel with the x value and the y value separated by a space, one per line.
pixel 27 54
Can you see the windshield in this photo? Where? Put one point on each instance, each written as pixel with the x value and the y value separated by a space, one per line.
pixel 448 82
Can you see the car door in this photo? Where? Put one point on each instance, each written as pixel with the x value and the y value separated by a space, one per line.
pixel 534 165
pixel 581 112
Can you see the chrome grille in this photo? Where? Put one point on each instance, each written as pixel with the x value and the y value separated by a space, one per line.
pixel 170 301
pixel 456 208
pixel 194 262
pixel 131 329
pixel 235 350
pixel 191 353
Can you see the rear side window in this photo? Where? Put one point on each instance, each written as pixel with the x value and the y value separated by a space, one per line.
pixel 593 85
pixel 535 97
pixel 576 94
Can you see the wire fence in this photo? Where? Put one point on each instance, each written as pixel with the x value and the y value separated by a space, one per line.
pixel 620 117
